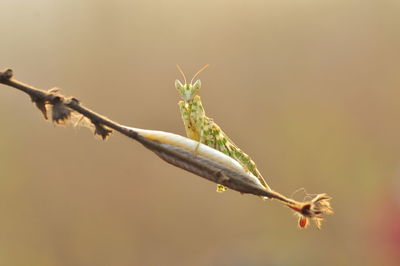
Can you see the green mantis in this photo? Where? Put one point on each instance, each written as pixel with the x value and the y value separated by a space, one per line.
pixel 203 129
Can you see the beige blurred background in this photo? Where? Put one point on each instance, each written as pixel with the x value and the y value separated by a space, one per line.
pixel 309 88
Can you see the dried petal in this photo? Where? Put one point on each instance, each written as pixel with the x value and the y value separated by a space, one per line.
pixel 41 105
pixel 60 112
pixel 102 131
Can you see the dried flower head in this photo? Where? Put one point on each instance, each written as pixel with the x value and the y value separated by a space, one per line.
pixel 313 210
pixel 60 112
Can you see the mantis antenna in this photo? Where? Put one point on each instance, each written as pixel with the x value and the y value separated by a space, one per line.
pixel 198 72
pixel 183 74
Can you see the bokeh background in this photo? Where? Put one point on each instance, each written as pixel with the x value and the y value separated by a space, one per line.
pixel 309 88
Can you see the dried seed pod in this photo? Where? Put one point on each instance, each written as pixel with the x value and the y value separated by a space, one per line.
pixel 303 222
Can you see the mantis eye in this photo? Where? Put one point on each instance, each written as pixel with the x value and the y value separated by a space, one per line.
pixel 178 85
pixel 197 85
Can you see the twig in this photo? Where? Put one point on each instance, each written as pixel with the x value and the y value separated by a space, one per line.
pixel 63 108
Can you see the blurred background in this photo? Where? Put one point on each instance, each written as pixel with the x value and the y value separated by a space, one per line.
pixel 308 88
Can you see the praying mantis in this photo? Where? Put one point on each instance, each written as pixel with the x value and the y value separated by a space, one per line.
pixel 203 129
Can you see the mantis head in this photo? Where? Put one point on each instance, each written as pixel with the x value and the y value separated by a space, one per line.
pixel 188 91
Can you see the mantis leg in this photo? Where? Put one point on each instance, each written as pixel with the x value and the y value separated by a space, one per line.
pixel 200 127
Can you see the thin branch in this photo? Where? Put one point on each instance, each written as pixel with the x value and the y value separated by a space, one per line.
pixel 63 108
pixel 177 156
